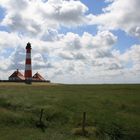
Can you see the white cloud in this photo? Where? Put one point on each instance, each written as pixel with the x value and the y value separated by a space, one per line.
pixel 36 16
pixel 8 40
pixel 120 14
pixel 132 56
pixel 59 60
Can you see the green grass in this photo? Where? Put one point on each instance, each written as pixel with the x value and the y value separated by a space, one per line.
pixel 113 110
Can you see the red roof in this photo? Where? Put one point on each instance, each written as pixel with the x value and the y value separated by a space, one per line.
pixel 17 74
pixel 37 76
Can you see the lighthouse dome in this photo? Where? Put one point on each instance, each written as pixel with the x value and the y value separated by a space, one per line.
pixel 28 45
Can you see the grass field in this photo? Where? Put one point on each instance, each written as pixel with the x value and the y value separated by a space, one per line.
pixel 113 111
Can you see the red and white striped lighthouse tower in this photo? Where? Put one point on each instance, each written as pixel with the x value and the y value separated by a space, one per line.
pixel 28 63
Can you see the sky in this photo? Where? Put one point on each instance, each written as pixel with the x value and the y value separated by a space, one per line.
pixel 73 41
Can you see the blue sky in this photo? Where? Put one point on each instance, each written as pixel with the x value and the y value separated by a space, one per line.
pixel 1 13
pixel 70 36
pixel 95 6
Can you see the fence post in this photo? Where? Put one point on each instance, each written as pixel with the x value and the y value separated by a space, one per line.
pixel 40 123
pixel 84 123
pixel 41 114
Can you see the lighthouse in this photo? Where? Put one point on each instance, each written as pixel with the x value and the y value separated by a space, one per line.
pixel 27 77
pixel 28 63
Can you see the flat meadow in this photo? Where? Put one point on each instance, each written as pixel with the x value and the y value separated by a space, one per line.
pixel 112 111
